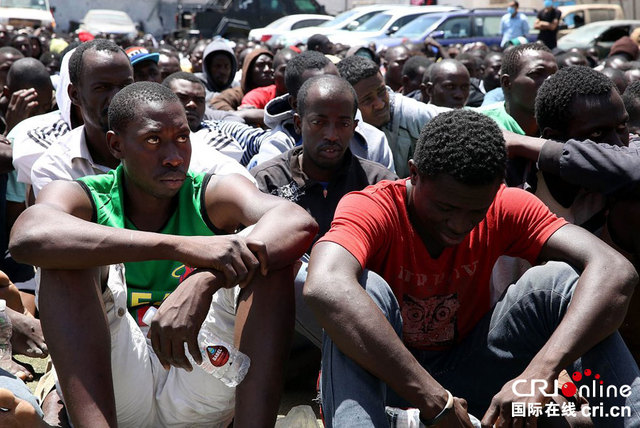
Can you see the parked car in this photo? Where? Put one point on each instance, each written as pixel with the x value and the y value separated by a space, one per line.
pixel 26 13
pixel 460 26
pixel 601 35
pixel 347 20
pixel 384 24
pixel 577 15
pixel 108 21
pixel 285 24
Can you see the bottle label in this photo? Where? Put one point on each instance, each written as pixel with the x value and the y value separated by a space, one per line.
pixel 218 355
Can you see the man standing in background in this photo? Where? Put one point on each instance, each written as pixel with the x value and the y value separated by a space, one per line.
pixel 547 23
pixel 513 24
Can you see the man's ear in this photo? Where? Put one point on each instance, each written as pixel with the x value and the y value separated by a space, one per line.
pixel 297 123
pixel 5 91
pixel 404 80
pixel 114 141
pixel 413 172
pixel 428 88
pixel 425 95
pixel 293 102
pixel 505 82
pixel 72 90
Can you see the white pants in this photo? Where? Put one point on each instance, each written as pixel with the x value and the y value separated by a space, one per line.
pixel 146 394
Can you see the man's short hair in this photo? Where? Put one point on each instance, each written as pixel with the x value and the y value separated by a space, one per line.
pixel 182 75
pixel 325 81
pixel 356 68
pixel 631 99
pixel 75 62
pixel 10 50
pixel 308 60
pixel 317 41
pixel 123 107
pixel 511 58
pixel 553 102
pixel 411 68
pixel 28 73
pixel 463 144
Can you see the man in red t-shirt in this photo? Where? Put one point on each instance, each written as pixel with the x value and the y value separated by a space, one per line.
pixel 425 326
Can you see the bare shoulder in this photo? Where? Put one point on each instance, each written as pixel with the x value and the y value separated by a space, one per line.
pixel 68 197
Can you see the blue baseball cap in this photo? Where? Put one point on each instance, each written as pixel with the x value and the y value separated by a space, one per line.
pixel 138 54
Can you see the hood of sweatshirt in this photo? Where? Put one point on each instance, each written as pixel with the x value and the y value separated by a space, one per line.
pixel 212 48
pixel 250 59
pixel 278 112
pixel 62 93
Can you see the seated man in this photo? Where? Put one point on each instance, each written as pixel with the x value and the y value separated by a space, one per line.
pixel 448 84
pixel 433 239
pixel 158 219
pixel 319 173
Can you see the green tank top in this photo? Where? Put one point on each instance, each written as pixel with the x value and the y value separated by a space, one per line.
pixel 150 282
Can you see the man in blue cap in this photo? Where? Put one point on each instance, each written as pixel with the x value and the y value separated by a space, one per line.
pixel 145 64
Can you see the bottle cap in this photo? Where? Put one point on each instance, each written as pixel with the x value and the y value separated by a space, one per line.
pixel 3 304
pixel 148 315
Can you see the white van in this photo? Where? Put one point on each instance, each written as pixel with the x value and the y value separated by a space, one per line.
pixel 26 13
pixel 577 15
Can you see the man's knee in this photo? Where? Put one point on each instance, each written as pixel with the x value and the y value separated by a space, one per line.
pixel 382 295
pixel 553 276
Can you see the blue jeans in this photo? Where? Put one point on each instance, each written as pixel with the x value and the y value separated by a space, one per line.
pixel 19 389
pixel 495 352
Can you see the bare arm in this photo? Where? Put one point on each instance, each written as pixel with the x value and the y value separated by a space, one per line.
pixel 588 320
pixel 286 229
pixel 361 331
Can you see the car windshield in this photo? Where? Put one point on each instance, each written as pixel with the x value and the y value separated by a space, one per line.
pixel 585 34
pixel 28 4
pixel 340 19
pixel 109 17
pixel 417 27
pixel 376 23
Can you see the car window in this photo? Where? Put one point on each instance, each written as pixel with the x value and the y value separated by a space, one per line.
pixel 574 19
pixel 601 14
pixel 27 4
pixel 613 34
pixel 487 26
pixel 417 27
pixel 456 27
pixel 341 18
pixel 365 17
pixel 307 23
pixel 404 20
pixel 376 23
pixel 304 6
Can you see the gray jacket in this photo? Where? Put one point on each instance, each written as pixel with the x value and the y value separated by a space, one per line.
pixel 367 141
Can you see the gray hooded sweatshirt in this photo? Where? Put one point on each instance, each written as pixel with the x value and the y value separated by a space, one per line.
pixel 367 141
pixel 212 48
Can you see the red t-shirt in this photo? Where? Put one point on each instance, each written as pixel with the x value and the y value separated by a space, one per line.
pixel 441 299
pixel 259 97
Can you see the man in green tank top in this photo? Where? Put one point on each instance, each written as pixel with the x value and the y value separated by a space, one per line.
pixel 162 221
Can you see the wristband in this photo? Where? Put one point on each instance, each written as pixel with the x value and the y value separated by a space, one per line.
pixel 442 414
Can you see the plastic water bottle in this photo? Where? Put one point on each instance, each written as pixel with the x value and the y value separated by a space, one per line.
pixel 5 336
pixel 410 418
pixel 219 359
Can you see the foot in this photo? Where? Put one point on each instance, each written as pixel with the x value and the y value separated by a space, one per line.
pixel 27 338
pixel 17 413
pixel 19 371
